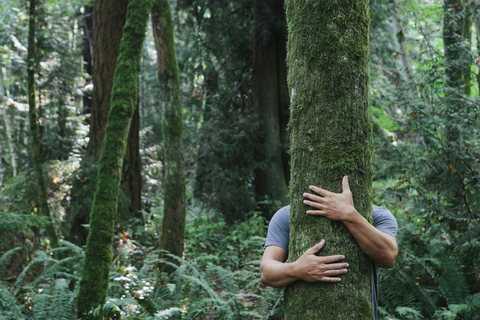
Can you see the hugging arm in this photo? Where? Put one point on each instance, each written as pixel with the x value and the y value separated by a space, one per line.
pixel 275 272
pixel 381 247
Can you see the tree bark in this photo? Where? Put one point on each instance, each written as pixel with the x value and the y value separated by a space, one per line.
pixel 330 137
pixel 34 134
pixel 9 117
pixel 473 4
pixel 173 232
pixel 108 21
pixel 452 42
pixel 98 254
pixel 269 92
pixel 400 35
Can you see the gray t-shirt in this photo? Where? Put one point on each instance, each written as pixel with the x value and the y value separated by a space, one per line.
pixel 383 220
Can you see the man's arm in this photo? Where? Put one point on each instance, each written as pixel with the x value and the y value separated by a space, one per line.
pixel 275 272
pixel 379 246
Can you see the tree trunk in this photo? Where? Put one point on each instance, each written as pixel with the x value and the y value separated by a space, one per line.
pixel 452 42
pixel 404 56
pixel 173 232
pixel 330 138
pixel 34 135
pixel 98 254
pixel 466 58
pixel 109 19
pixel 473 4
pixel 9 117
pixel 268 93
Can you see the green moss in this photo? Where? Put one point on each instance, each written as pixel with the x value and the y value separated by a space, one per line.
pixel 98 254
pixel 330 138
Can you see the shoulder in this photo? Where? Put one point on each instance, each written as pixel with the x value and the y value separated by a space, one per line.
pixel 384 220
pixel 279 229
pixel 282 216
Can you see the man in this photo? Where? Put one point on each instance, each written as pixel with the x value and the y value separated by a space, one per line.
pixel 378 242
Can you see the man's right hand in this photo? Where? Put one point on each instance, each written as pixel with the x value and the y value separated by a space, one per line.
pixel 275 272
pixel 312 268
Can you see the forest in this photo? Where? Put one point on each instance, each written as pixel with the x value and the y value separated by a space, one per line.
pixel 145 145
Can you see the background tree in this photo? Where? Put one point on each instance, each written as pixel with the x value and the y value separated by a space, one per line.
pixel 108 22
pixel 270 101
pixel 173 232
pixel 330 138
pixel 98 254
pixel 34 134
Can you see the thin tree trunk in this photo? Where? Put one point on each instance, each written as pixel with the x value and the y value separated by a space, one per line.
pixel 9 117
pixel 98 254
pixel 34 135
pixel 330 138
pixel 452 42
pixel 108 21
pixel 473 4
pixel 466 60
pixel 267 85
pixel 404 56
pixel 173 232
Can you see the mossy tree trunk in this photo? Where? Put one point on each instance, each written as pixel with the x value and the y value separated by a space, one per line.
pixel 466 58
pixel 453 25
pixel 98 254
pixel 330 137
pixel 270 97
pixel 34 134
pixel 173 232
pixel 108 20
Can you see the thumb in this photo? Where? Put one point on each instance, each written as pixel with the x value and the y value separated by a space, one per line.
pixel 316 247
pixel 345 186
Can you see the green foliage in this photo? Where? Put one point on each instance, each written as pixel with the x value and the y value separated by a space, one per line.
pixel 426 172
pixel 199 288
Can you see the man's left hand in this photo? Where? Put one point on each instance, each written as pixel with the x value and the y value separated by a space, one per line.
pixel 333 206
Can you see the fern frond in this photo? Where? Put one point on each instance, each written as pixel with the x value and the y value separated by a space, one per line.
pixel 6 256
pixel 165 314
pixel 9 303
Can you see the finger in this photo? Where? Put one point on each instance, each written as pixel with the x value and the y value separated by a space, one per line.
pixel 315 212
pixel 336 266
pixel 345 185
pixel 320 191
pixel 330 273
pixel 316 247
pixel 330 259
pixel 329 279
pixel 313 197
pixel 312 204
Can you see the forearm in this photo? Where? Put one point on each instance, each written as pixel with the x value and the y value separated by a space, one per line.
pixel 277 274
pixel 380 247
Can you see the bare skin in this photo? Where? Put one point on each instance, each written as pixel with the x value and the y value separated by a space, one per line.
pixel 380 247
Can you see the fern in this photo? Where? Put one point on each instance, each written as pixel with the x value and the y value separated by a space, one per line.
pixel 9 304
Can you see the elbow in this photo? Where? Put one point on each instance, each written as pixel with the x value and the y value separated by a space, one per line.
pixel 389 261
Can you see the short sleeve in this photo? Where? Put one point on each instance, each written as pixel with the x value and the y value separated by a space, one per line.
pixel 384 221
pixel 279 229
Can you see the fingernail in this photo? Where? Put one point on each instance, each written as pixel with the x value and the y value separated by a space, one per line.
pixel 346 270
pixel 347 265
pixel 345 178
pixel 323 240
pixel 343 257
pixel 304 201
pixel 310 187
pixel 304 194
